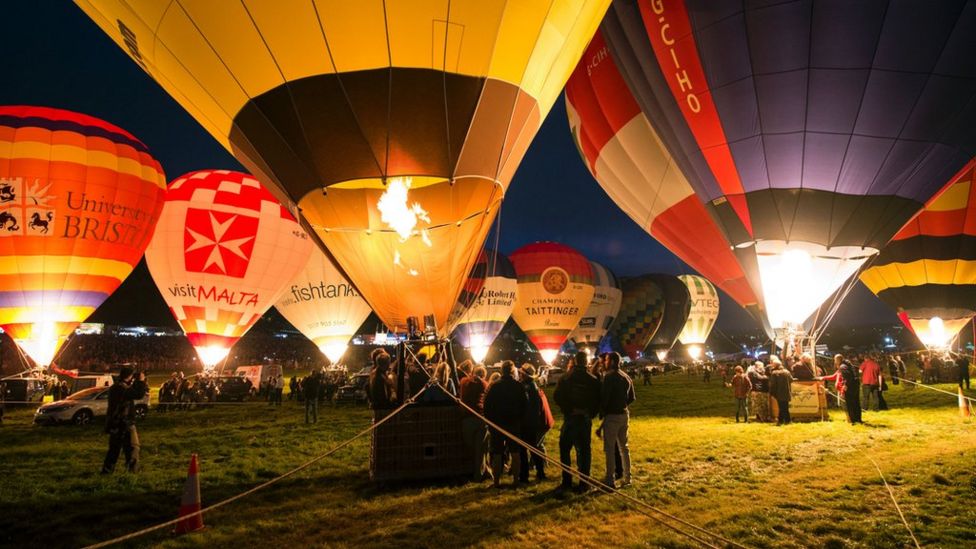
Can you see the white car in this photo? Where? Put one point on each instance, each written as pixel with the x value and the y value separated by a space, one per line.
pixel 82 407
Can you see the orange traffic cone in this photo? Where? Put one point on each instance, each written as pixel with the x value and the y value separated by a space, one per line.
pixel 191 501
pixel 963 404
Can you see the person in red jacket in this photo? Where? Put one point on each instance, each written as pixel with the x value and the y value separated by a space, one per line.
pixel 870 381
pixel 741 386
pixel 473 429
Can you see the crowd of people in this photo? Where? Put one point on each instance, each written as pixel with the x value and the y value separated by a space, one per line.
pixel 518 412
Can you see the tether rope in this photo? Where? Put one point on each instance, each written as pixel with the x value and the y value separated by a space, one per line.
pixel 954 395
pixel 261 486
pixel 642 507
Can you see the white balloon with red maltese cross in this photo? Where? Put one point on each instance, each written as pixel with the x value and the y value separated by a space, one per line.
pixel 223 252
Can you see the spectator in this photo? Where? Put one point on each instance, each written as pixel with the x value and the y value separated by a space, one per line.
pixel 473 429
pixel 381 393
pixel 740 388
pixel 310 390
pixel 505 405
pixel 871 381
pixel 847 382
pixel 963 365
pixel 535 424
pixel 616 395
pixel 578 396
pixel 780 382
pixel 120 420
pixel 759 397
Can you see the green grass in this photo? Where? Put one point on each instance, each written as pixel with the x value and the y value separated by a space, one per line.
pixel 805 485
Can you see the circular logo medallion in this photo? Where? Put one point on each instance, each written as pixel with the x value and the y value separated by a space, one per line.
pixel 555 280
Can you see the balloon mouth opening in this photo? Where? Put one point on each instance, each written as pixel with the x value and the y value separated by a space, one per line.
pixel 334 351
pixel 662 355
pixel 42 344
pixel 936 337
pixel 549 355
pixel 478 353
pixel 210 355
pixel 695 351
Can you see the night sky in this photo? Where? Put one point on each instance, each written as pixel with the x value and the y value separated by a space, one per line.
pixel 55 56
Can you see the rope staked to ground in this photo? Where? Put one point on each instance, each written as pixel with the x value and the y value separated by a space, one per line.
pixel 950 393
pixel 263 485
pixel 640 506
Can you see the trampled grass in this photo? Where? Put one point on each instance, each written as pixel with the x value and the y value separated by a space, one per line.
pixel 805 485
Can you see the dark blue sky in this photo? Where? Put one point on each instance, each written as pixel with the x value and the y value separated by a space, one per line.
pixel 55 56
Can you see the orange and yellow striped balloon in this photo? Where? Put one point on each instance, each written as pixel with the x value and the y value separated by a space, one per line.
pixel 79 199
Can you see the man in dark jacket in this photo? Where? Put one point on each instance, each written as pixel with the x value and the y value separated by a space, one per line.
pixel 310 390
pixel 120 424
pixel 578 396
pixel 848 377
pixel 780 387
pixel 473 388
pixel 505 405
pixel 616 395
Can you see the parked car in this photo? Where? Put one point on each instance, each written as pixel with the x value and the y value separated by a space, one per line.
pixel 550 375
pixel 355 390
pixel 234 388
pixel 24 390
pixel 81 383
pixel 82 408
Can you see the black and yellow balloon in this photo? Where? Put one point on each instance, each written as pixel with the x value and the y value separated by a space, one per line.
pixel 393 126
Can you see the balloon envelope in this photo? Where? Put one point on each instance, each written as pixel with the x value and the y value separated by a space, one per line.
pixel 79 198
pixel 703 314
pixel 602 310
pixel 641 310
pixel 323 306
pixel 223 252
pixel 677 307
pixel 480 321
pixel 811 131
pixel 555 286
pixel 629 161
pixel 928 271
pixel 394 126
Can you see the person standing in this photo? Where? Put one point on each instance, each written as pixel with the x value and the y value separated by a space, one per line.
pixel 578 396
pixel 473 428
pixel 3 398
pixel 741 386
pixel 310 390
pixel 616 395
pixel 780 387
pixel 120 422
pixel 963 364
pixel 847 380
pixel 871 381
pixel 535 424
pixel 381 392
pixel 505 406
pixel 759 396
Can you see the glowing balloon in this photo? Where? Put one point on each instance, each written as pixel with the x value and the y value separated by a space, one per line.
pixel 223 252
pixel 555 287
pixel 641 310
pixel 811 131
pixel 480 321
pixel 323 306
pixel 602 310
pixel 928 271
pixel 703 314
pixel 79 198
pixel 394 126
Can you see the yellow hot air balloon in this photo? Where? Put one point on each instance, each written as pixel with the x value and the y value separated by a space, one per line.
pixel 393 126
pixel 704 313
pixel 79 198
pixel 324 306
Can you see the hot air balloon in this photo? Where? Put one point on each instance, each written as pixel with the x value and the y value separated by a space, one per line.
pixel 79 198
pixel 395 127
pixel 677 307
pixel 602 310
pixel 480 320
pixel 222 254
pixel 703 314
pixel 555 287
pixel 323 306
pixel 928 271
pixel 641 310
pixel 811 131
pixel 627 158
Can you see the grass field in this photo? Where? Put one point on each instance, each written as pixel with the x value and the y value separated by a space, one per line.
pixel 804 485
